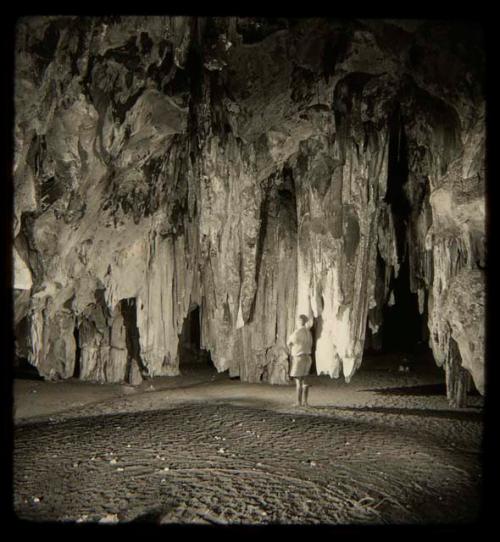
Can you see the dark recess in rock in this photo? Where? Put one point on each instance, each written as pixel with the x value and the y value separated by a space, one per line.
pixel 335 50
pixel 128 309
pixel 44 50
pixel 397 177
pixel 402 323
pixel 78 351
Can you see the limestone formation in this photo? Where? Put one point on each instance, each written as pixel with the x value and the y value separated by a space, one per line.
pixel 254 168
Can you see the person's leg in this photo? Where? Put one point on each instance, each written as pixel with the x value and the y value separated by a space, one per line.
pixel 305 386
pixel 305 392
pixel 298 388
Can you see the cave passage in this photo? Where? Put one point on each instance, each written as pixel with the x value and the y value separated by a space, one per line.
pixel 25 371
pixel 402 328
pixel 190 351
pixel 128 308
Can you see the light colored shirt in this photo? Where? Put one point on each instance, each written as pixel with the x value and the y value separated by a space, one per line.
pixel 301 341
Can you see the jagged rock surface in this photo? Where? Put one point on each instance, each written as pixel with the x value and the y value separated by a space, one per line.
pixel 247 167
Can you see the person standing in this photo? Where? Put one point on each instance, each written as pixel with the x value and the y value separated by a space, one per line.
pixel 300 346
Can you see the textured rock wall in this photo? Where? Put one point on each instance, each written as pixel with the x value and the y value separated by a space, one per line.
pixel 242 166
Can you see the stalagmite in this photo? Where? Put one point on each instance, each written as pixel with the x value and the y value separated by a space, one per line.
pixel 166 163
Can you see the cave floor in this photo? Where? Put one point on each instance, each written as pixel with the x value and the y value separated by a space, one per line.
pixel 202 448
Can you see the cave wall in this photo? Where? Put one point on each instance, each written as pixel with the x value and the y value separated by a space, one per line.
pixel 241 165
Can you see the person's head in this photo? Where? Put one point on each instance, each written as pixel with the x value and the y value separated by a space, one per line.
pixel 302 320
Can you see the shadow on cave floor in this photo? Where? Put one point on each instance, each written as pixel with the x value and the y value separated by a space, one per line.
pixel 469 415
pixel 423 390
pixel 472 414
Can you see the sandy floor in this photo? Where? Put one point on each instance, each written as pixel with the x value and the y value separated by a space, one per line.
pixel 202 448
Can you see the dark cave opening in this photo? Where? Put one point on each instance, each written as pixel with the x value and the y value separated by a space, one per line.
pixel 78 351
pixel 403 325
pixel 23 369
pixel 190 352
pixel 397 178
pixel 403 330
pixel 128 308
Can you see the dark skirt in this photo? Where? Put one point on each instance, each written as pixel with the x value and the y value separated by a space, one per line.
pixel 300 366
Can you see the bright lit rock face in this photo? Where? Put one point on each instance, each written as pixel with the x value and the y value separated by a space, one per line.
pixel 253 168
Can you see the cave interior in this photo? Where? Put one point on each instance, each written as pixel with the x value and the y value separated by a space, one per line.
pixel 186 186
